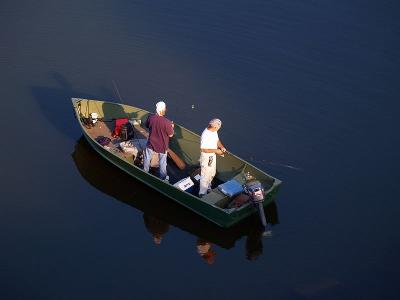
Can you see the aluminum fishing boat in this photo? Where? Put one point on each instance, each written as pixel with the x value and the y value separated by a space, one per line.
pixel 216 206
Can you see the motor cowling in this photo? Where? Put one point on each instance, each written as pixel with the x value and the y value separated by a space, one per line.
pixel 255 190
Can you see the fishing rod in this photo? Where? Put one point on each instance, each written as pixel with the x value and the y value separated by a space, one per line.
pixel 117 91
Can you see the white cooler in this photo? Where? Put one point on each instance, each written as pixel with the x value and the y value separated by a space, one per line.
pixel 185 184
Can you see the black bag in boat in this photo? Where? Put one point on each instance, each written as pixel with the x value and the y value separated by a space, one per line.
pixel 87 122
pixel 126 131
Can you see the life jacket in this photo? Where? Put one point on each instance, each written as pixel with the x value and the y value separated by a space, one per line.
pixel 117 128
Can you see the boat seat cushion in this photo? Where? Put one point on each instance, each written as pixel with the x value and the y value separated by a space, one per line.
pixel 231 188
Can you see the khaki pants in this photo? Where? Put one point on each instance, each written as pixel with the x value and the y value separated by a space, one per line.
pixel 207 172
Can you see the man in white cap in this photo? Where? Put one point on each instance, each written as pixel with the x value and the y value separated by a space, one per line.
pixel 160 130
pixel 210 145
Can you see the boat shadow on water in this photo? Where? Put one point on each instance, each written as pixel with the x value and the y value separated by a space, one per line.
pixel 54 102
pixel 160 213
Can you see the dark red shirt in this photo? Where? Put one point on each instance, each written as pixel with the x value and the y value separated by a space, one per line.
pixel 160 128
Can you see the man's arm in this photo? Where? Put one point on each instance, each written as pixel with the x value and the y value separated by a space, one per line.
pixel 221 146
pixel 217 151
pixel 171 132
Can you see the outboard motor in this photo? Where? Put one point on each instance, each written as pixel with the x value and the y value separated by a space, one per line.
pixel 256 192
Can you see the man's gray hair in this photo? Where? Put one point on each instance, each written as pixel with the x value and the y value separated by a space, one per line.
pixel 216 123
pixel 160 107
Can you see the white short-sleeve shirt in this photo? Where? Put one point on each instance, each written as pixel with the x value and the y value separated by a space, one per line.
pixel 209 139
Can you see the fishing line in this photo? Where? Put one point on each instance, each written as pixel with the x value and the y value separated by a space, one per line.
pixel 117 91
pixel 275 164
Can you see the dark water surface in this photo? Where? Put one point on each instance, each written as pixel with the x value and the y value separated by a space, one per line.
pixel 307 90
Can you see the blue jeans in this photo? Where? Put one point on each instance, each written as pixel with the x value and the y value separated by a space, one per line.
pixel 162 157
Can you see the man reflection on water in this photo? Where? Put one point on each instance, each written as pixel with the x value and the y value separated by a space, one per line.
pixel 156 227
pixel 205 251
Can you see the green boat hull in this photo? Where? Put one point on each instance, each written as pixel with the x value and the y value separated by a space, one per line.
pixel 222 217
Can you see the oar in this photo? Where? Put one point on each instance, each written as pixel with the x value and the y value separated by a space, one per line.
pixel 175 158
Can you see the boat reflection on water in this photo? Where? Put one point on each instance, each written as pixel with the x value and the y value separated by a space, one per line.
pixel 160 212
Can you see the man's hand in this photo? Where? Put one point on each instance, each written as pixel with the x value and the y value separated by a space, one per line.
pixel 172 126
pixel 219 152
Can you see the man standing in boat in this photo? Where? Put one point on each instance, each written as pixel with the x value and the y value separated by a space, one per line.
pixel 210 145
pixel 160 130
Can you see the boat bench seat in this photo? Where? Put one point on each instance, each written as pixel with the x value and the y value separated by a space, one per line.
pixel 215 197
pixel 240 178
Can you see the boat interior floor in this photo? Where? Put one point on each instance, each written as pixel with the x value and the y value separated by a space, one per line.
pixel 105 128
pixel 214 197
